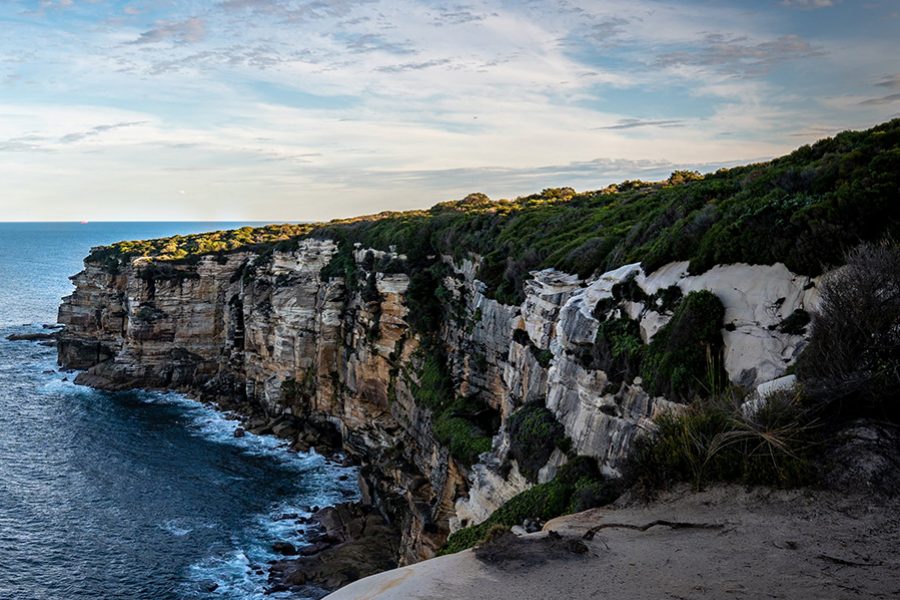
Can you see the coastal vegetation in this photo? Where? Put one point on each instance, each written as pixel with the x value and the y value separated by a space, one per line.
pixel 831 203
pixel 464 425
pixel 804 209
pixel 849 371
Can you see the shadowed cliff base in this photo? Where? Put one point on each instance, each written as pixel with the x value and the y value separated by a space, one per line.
pixel 737 544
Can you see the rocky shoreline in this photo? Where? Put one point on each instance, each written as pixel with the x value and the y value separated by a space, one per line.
pixel 334 362
pixel 347 542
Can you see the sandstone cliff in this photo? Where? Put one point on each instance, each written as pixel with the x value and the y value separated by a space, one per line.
pixel 273 332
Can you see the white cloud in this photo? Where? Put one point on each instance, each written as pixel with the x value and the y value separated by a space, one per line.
pixel 268 105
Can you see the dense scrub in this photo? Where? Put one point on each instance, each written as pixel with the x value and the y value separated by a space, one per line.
pixel 851 367
pixel 805 210
pixel 534 433
pixel 188 247
pixel 578 486
pixel 713 440
pixel 684 358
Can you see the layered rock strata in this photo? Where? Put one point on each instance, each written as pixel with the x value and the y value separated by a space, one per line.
pixel 270 333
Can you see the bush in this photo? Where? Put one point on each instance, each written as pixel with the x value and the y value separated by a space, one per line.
pixel 851 366
pixel 465 426
pixel 534 433
pixel 713 441
pixel 617 349
pixel 578 486
pixel 465 440
pixel 684 358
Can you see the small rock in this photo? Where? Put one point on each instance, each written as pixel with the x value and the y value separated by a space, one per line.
pixel 239 432
pixel 285 548
pixel 532 525
pixel 313 549
pixel 30 337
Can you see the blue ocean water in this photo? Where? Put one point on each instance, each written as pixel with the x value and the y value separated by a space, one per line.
pixel 128 495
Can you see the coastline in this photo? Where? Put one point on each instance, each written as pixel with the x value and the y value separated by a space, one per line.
pixel 341 543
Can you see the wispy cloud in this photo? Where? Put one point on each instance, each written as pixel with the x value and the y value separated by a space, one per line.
pixel 78 136
pixel 458 14
pixel 809 3
pixel 891 81
pixel 740 55
pixel 889 99
pixel 415 66
pixel 633 123
pixel 179 32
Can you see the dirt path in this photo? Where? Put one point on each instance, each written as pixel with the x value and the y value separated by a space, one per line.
pixel 760 544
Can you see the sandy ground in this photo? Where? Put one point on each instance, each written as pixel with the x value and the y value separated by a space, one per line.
pixel 760 544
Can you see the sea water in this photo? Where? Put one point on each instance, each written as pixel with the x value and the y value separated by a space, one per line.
pixel 133 494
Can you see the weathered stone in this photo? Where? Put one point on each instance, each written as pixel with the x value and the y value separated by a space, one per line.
pixel 322 362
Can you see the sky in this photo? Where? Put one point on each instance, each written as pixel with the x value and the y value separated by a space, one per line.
pixel 302 110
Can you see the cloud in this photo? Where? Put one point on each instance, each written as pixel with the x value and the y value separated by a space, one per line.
pixel 605 31
pixel 181 32
pixel 457 15
pixel 808 3
pixel 415 66
pixel 26 143
pixel 633 123
pixel 891 81
pixel 890 99
pixel 375 42
pixel 77 136
pixel 737 54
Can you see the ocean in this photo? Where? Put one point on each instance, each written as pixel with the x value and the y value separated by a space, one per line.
pixel 128 495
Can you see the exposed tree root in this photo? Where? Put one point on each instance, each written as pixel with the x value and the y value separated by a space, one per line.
pixel 590 533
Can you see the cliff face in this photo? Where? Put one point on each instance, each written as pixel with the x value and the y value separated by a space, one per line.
pixel 268 333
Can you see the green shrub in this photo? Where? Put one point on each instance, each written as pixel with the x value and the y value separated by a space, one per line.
pixel 617 350
pixel 465 426
pixel 465 440
pixel 713 441
pixel 435 388
pixel 684 358
pixel 578 486
pixel 534 433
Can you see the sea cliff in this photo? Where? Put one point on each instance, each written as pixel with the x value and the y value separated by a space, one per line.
pixel 465 354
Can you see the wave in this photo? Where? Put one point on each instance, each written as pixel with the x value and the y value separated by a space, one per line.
pixel 241 570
